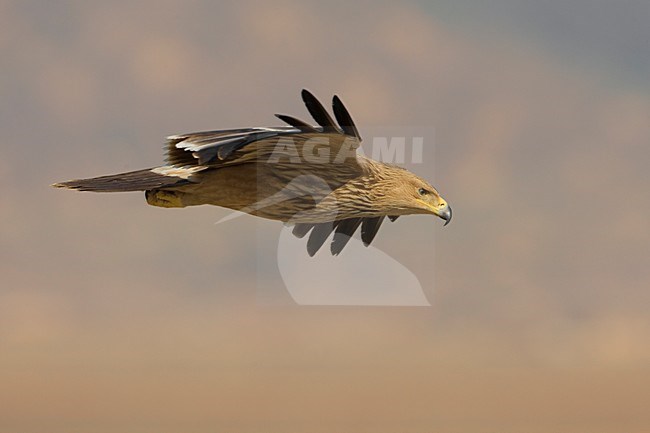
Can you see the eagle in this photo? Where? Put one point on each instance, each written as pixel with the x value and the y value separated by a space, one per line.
pixel 310 177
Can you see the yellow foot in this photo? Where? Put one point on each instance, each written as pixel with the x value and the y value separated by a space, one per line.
pixel 163 198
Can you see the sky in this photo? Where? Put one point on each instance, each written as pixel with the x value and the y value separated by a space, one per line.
pixel 118 316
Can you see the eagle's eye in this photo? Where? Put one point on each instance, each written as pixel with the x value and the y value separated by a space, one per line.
pixel 423 191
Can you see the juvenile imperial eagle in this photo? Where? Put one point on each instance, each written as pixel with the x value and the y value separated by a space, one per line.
pixel 307 176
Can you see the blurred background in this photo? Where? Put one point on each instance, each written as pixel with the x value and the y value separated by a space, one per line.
pixel 118 316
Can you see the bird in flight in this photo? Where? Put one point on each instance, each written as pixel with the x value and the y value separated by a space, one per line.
pixel 309 177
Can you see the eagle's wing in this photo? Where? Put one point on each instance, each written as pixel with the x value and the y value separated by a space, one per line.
pixel 343 232
pixel 236 146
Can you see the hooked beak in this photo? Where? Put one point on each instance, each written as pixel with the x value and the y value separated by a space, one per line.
pixel 445 214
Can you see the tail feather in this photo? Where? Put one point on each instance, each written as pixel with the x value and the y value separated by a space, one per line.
pixel 140 180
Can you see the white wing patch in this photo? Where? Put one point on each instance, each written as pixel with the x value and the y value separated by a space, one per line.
pixel 180 172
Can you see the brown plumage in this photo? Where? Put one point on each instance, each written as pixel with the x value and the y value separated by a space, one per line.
pixel 308 176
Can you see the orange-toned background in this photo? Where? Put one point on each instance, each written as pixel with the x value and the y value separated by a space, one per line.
pixel 120 317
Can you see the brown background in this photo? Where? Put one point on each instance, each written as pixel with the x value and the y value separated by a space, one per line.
pixel 120 317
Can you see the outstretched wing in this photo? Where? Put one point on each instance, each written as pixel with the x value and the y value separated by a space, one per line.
pixel 343 231
pixel 236 146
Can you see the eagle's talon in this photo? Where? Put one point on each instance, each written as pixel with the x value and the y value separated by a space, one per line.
pixel 162 198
